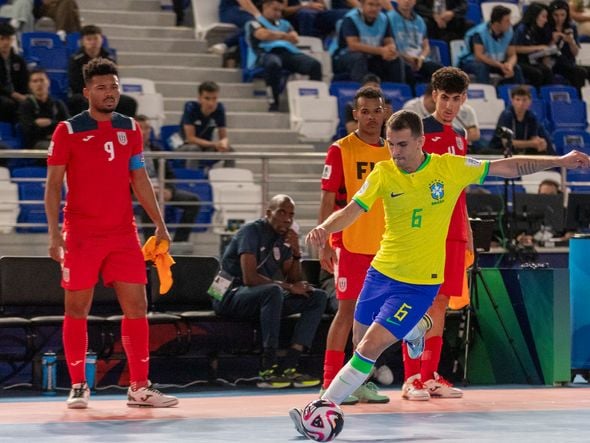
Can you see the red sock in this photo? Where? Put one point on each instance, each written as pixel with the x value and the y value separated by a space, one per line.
pixel 135 340
pixel 431 357
pixel 411 365
pixel 75 340
pixel 333 362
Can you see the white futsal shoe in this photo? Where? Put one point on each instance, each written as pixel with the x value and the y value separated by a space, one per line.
pixel 79 395
pixel 149 397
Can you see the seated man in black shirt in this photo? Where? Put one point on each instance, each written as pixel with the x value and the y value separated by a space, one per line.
pixel 40 113
pixel 263 259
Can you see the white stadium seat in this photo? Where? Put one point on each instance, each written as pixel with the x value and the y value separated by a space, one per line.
pixel 313 111
pixel 207 22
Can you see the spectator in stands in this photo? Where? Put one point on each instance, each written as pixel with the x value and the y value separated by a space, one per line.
pixel 238 13
pixel 549 187
pixel 263 261
pixel 91 42
pixel 365 44
pixel 13 76
pixel 529 135
pixel 580 11
pixel 171 193
pixel 565 36
pixel 346 4
pixel 351 123
pixel 64 13
pixel 312 18
pixel 445 19
pixel 40 113
pixel 489 49
pixel 273 39
pixel 466 118
pixel 20 15
pixel 199 121
pixel 409 32
pixel 535 46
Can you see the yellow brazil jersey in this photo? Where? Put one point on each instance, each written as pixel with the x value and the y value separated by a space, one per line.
pixel 418 208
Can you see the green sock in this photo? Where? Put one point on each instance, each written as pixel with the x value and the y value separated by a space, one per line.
pixel 349 378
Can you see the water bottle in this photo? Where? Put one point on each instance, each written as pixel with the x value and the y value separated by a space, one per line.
pixel 49 372
pixel 90 369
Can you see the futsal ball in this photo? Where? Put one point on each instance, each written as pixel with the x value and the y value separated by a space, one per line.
pixel 322 420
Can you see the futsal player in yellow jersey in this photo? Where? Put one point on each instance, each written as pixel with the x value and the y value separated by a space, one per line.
pixel 419 192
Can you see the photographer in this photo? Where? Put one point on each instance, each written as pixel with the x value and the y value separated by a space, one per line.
pixel 528 134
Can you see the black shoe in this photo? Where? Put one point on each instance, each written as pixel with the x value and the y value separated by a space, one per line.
pixel 270 379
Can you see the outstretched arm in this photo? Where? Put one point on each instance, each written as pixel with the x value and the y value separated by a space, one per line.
pixel 526 164
pixel 334 223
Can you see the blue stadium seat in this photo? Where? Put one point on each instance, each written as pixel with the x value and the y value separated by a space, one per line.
pixel 202 188
pixel 420 88
pixel 578 175
pixel 567 115
pixel 504 92
pixel 538 108
pixel 474 12
pixel 500 186
pixel 166 132
pixel 439 52
pixel 397 93
pixel 8 136
pixel 344 91
pixel 566 140
pixel 32 190
pixel 59 84
pixel 566 93
pixel 45 49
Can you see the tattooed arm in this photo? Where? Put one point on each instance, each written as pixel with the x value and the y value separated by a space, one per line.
pixel 524 164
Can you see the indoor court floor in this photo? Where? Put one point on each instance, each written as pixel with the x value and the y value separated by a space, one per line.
pixel 495 414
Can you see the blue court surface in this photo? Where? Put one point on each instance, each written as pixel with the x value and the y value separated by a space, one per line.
pixel 514 414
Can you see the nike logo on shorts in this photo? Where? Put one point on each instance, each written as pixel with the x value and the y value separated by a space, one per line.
pixel 393 194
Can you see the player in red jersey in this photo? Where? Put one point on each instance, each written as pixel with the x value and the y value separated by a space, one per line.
pixel 100 153
pixel 422 380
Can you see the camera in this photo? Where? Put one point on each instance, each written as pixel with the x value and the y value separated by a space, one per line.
pixel 504 132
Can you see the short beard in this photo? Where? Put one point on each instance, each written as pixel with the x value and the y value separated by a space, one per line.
pixel 104 109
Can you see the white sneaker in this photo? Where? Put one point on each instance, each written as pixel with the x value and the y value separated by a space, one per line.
pixel 149 397
pixel 79 395
pixel 441 388
pixel 413 389
pixel 219 49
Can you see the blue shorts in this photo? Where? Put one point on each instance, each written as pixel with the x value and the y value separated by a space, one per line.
pixel 395 305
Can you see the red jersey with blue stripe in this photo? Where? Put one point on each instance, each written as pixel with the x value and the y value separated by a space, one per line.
pixel 99 158
pixel 442 139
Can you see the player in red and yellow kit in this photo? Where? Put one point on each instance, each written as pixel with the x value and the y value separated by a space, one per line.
pixel 348 162
pixel 100 153
pixel 421 377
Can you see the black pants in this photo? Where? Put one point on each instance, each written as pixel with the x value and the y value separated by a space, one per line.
pixel 189 213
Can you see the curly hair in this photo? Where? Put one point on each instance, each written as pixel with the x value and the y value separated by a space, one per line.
pixel 451 80
pixel 98 66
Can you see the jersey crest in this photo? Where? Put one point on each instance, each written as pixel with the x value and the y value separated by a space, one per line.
pixel 437 191
pixel 122 137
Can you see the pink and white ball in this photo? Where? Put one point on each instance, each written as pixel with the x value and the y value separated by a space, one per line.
pixel 323 420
